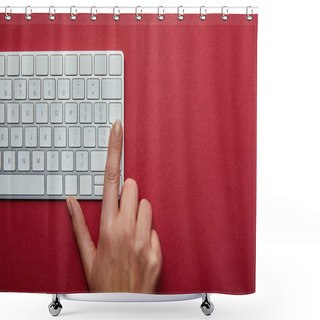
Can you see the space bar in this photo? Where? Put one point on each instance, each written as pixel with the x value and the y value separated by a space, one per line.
pixel 21 184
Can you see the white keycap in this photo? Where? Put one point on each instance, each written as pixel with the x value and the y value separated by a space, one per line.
pixel 42 113
pixel 2 70
pixel 93 89
pixel 23 160
pixel 71 112
pixel 42 65
pixel 54 185
pixel 100 112
pixel 115 65
pixel 67 160
pixel 111 89
pixel 82 161
pixel 49 89
pixel 114 111
pixel 63 89
pixel 99 179
pixel 9 161
pixel 52 160
pixel 78 89
pixel 13 65
pixel 98 190
pixel 21 184
pixel 98 160
pixel 45 137
pixel 13 113
pixel 71 65
pixel 103 137
pixel 5 89
pixel 100 64
pixel 34 89
pixel 74 137
pixel 1 112
pixel 20 89
pixel 27 112
pixel 85 112
pixel 56 65
pixel 85 185
pixel 89 137
pixel 71 185
pixel 85 64
pixel 60 137
pixel 56 112
pixel 4 137
pixel 27 65
pixel 31 137
pixel 16 137
pixel 38 160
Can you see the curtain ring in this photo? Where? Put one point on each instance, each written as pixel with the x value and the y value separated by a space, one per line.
pixel 203 13
pixel 249 17
pixel 160 16
pixel 73 14
pixel 224 13
pixel 28 13
pixel 52 10
pixel 116 16
pixel 93 17
pixel 138 16
pixel 180 13
pixel 6 15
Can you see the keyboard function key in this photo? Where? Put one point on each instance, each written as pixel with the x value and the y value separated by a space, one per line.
pixel 100 64
pixel 56 66
pixel 2 70
pixel 71 65
pixel 115 64
pixel 27 65
pixel 42 65
pixel 13 65
pixel 85 65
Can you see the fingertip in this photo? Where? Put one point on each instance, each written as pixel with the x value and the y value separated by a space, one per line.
pixel 69 206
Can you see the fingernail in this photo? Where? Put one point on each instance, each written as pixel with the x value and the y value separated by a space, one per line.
pixel 117 128
pixel 69 206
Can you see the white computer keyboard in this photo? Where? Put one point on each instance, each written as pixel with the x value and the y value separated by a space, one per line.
pixel 56 112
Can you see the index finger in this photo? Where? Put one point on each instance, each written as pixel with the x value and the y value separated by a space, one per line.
pixel 112 174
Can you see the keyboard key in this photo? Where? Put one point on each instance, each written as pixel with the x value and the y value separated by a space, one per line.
pixel 111 89
pixel 115 68
pixel 85 185
pixel 53 161
pixel 71 185
pixel 54 185
pixel 98 160
pixel 27 113
pixel 2 69
pixel 114 111
pixel 103 137
pixel 21 184
pixel 13 65
pixel 1 112
pixel 5 89
pixel 100 112
pixel 71 65
pixel 56 112
pixel 16 137
pixel 4 137
pixel 85 112
pixel 23 160
pixel 99 179
pixel 85 64
pixel 100 64
pixel 98 190
pixel 67 161
pixel 71 112
pixel 13 113
pixel 27 65
pixel 89 137
pixel 34 89
pixel 38 160
pixel 63 89
pixel 31 137
pixel 45 137
pixel 42 113
pixel 20 89
pixel 93 89
pixel 78 89
pixel 82 161
pixel 9 161
pixel 49 89
pixel 74 137
pixel 42 65
pixel 60 137
pixel 56 65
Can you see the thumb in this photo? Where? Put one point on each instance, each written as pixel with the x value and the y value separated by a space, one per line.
pixel 85 244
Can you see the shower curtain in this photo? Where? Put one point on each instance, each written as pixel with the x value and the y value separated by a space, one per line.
pixel 189 142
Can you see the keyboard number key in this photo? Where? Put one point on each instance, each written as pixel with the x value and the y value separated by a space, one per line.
pixel 20 89
pixel 63 89
pixel 34 89
pixel 5 89
pixel 1 112
pixel 49 89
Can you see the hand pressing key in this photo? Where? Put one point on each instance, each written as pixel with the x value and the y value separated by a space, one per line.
pixel 128 255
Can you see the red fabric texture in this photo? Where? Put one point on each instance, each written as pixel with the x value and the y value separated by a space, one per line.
pixel 190 143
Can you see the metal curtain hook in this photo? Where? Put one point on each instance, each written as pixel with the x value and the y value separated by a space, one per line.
pixel 138 16
pixel 28 13
pixel 116 16
pixel 6 15
pixel 203 13
pixel 73 13
pixel 224 13
pixel 249 17
pixel 93 16
pixel 160 16
pixel 52 11
pixel 180 13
